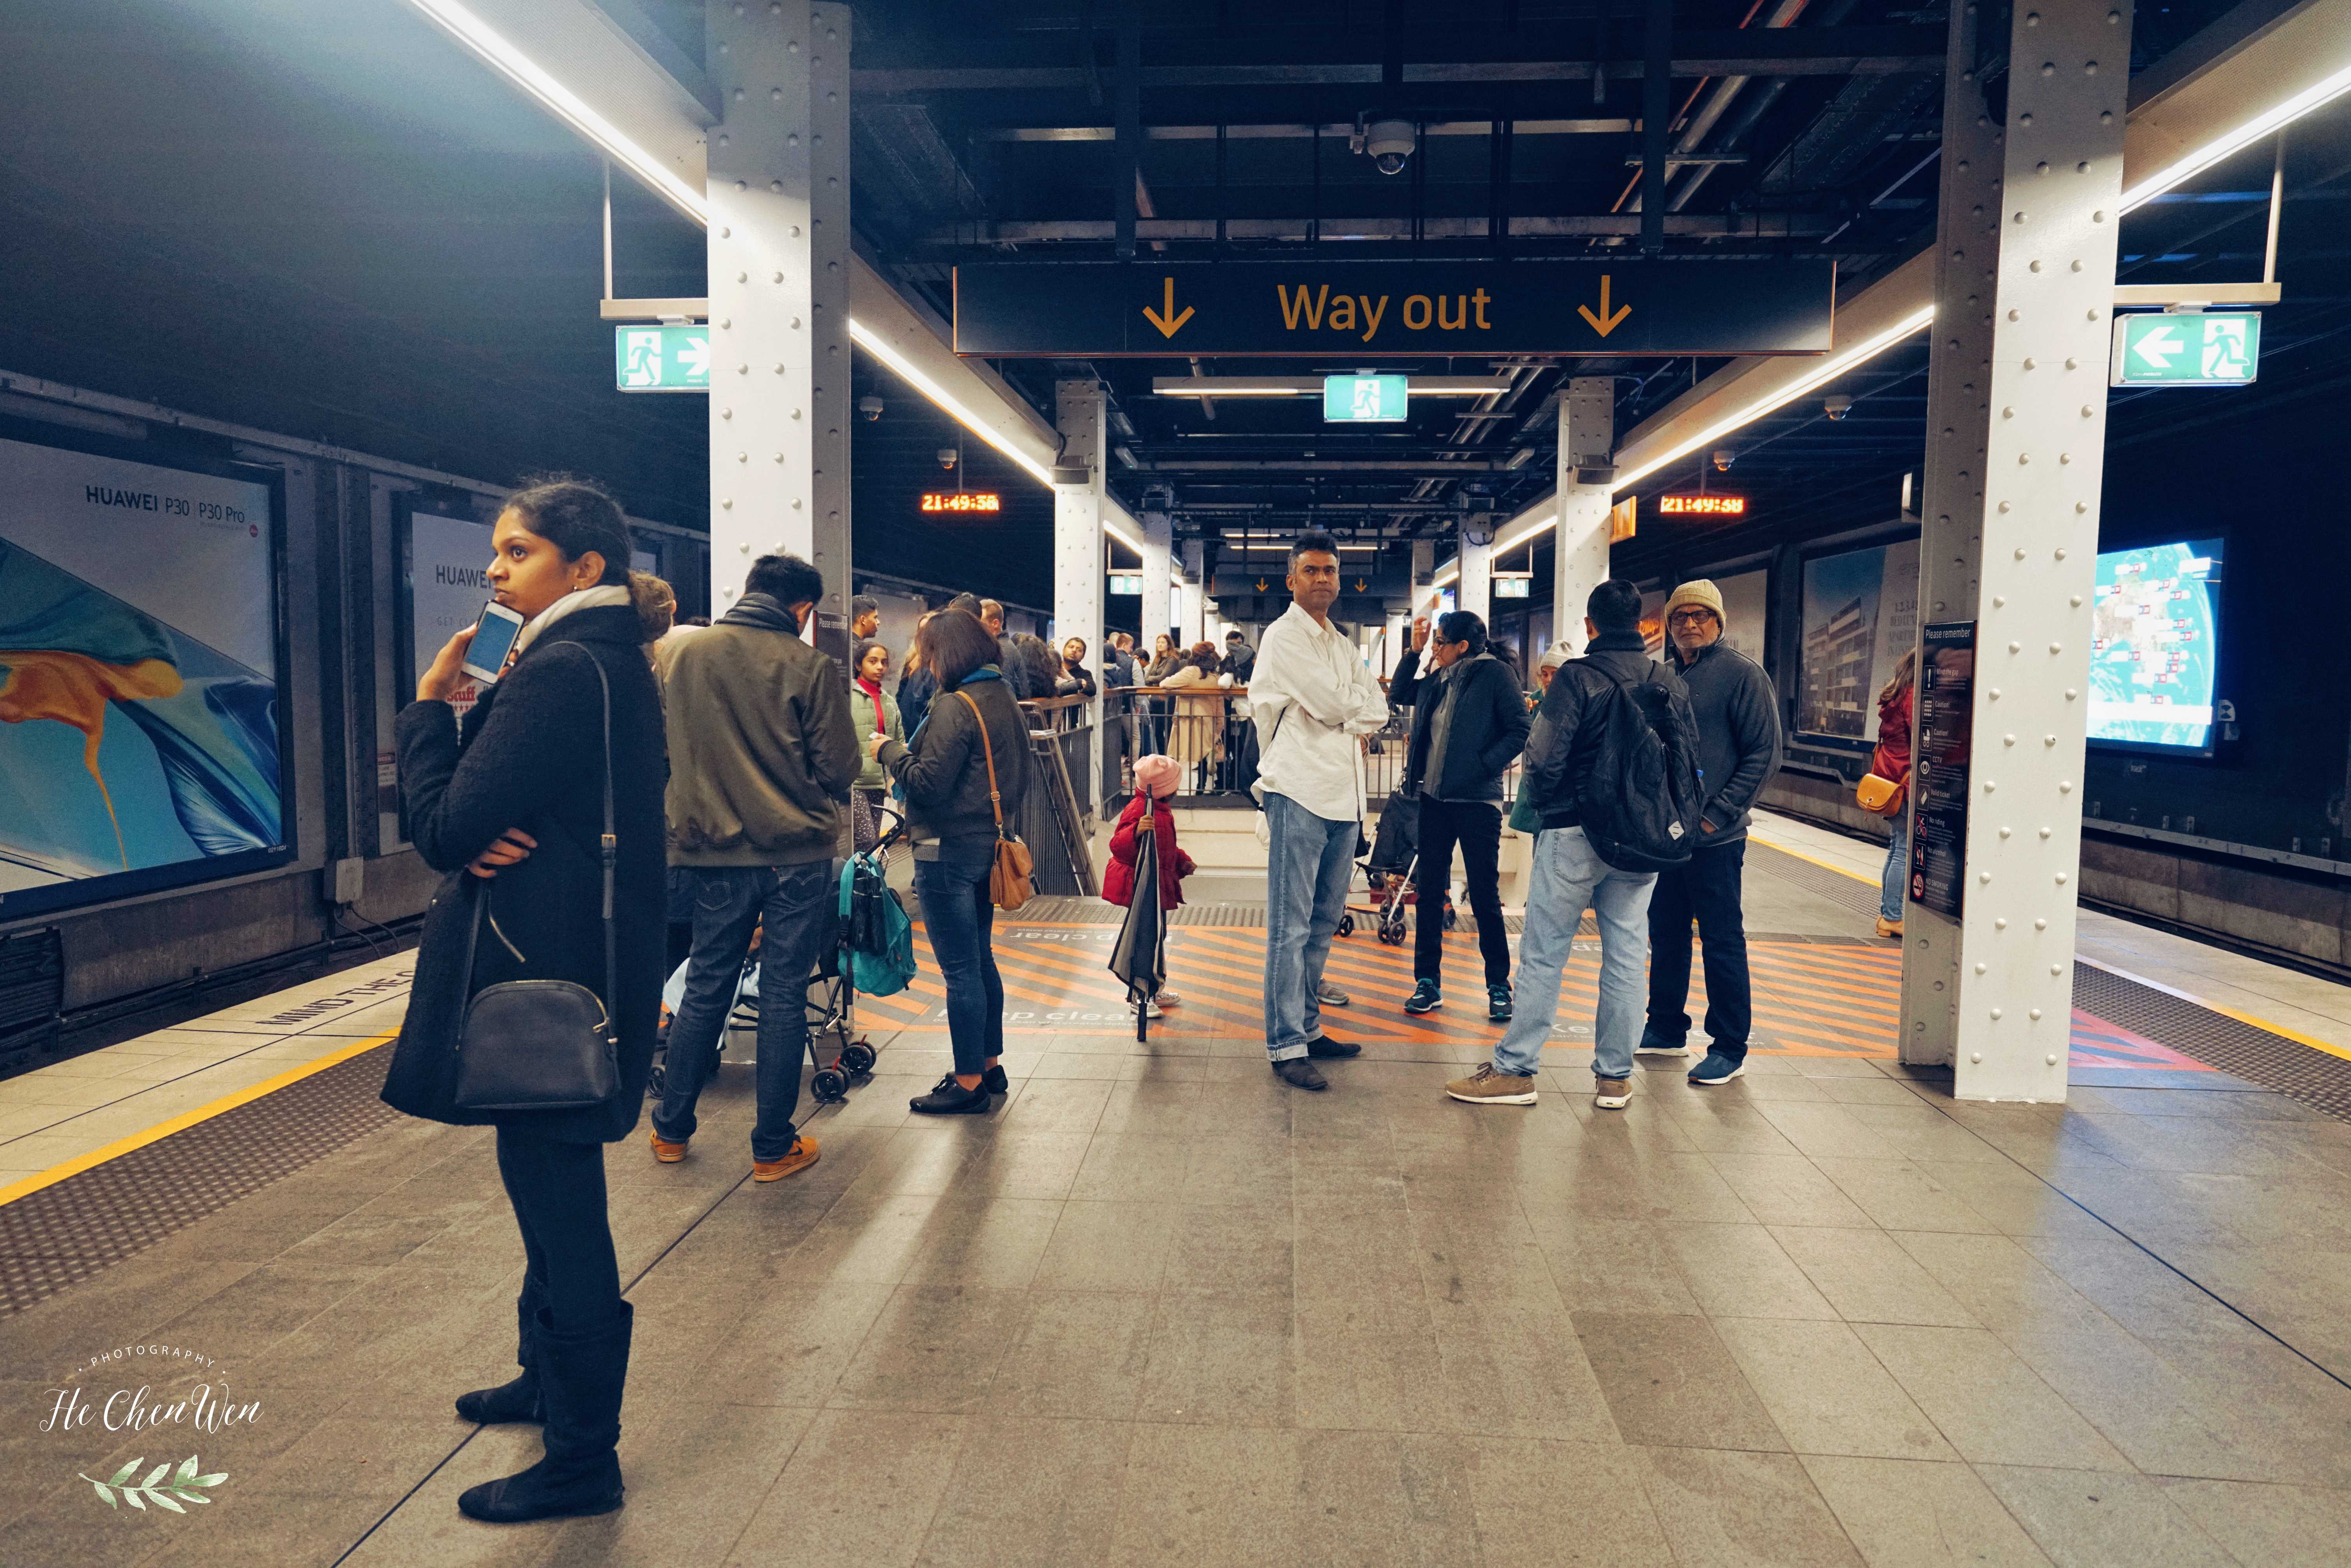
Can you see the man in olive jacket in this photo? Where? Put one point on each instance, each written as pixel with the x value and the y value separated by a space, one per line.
pixel 762 753
pixel 1738 751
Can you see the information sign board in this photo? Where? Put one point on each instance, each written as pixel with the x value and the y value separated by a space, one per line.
pixel 1939 780
pixel 2187 349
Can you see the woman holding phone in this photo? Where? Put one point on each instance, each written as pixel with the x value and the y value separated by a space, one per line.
pixel 510 806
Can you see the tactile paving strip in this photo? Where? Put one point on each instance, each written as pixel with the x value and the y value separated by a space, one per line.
pixel 1859 898
pixel 2313 1077
pixel 68 1231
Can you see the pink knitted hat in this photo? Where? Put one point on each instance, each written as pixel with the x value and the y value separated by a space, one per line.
pixel 1159 774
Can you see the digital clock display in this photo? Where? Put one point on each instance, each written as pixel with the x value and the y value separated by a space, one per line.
pixel 962 501
pixel 1702 505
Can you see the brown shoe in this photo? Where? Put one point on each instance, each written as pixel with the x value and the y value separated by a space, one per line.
pixel 1487 1087
pixel 803 1156
pixel 1889 927
pixel 667 1153
pixel 1611 1094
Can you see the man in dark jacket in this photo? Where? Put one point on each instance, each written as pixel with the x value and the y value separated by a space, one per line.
pixel 1468 724
pixel 1239 659
pixel 1569 875
pixel 762 753
pixel 1030 677
pixel 1739 750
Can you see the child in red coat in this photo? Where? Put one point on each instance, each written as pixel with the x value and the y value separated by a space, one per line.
pixel 1154 780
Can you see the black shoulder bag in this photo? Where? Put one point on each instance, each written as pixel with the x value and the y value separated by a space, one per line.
pixel 543 1045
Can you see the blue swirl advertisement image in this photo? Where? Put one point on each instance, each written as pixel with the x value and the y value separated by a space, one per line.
pixel 139 714
pixel 2153 645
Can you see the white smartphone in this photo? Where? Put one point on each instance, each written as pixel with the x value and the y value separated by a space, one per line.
pixel 485 655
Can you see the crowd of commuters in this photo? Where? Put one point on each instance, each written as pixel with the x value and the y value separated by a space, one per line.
pixel 623 763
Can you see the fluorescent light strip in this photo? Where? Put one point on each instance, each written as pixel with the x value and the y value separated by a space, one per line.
pixel 2266 123
pixel 872 344
pixel 519 68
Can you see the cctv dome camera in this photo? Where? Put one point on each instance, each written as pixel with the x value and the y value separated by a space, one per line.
pixel 1836 407
pixel 947 456
pixel 1723 458
pixel 871 407
pixel 1389 143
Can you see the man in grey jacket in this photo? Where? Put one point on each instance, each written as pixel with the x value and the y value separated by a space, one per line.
pixel 1739 750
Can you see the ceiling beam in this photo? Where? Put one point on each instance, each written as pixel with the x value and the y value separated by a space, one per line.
pixel 1695 226
pixel 1300 132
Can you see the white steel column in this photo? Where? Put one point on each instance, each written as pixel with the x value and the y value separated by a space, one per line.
pixel 1587 438
pixel 2016 443
pixel 779 265
pixel 1475 590
pixel 1078 538
pixel 1158 531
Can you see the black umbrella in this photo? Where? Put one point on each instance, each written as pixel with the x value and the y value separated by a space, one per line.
pixel 1140 957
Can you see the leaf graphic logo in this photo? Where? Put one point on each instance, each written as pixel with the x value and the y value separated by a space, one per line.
pixel 183 1485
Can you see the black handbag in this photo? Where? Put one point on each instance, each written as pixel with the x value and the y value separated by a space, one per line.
pixel 543 1045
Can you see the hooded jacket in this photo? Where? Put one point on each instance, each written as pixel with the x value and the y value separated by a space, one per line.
pixel 762 747
pixel 1485 732
pixel 1738 717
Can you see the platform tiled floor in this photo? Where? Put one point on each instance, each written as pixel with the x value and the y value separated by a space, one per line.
pixel 1158 1310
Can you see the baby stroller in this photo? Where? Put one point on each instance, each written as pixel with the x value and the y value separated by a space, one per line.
pixel 1388 872
pixel 840 1054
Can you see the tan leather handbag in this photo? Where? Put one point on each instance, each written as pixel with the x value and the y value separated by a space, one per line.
pixel 1009 885
pixel 1882 796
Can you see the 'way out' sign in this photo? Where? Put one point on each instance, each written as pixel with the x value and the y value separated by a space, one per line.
pixel 1315 307
pixel 2187 349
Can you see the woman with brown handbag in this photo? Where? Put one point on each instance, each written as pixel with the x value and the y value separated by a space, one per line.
pixel 960 773
pixel 1891 762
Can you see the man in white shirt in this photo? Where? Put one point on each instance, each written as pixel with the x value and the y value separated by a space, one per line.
pixel 1311 696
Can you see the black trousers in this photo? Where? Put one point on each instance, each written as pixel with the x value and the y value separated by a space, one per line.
pixel 558 1192
pixel 1476 827
pixel 1707 890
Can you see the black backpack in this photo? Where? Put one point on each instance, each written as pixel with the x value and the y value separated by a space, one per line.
pixel 1637 797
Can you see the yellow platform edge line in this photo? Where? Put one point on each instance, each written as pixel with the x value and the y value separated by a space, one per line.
pixel 1813 860
pixel 205 1113
pixel 2255 1020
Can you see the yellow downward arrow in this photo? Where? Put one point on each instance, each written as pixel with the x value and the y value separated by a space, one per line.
pixel 1604 323
pixel 1168 323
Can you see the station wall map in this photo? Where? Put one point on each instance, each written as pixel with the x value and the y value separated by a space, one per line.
pixel 2154 641
pixel 1319 308
pixel 141 696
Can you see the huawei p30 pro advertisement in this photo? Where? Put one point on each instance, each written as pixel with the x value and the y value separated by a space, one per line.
pixel 141 676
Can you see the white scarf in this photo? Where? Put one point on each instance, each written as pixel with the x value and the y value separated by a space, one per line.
pixel 578 599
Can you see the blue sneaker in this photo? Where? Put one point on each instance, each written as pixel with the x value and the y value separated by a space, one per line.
pixel 1655 1044
pixel 1718 1069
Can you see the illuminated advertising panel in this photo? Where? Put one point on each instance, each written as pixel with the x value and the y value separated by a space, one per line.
pixel 2155 646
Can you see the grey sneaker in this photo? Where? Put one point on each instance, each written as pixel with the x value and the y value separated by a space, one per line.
pixel 1331 996
pixel 1487 1087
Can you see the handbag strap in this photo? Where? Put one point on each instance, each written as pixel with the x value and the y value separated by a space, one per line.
pixel 608 851
pixel 988 749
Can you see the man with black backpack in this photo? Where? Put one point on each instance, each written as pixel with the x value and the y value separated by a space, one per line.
pixel 1610 790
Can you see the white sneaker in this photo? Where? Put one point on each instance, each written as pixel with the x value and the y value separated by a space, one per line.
pixel 1169 999
pixel 1151 1012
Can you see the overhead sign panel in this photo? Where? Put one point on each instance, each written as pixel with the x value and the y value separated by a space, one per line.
pixel 1348 400
pixel 661 359
pixel 1266 309
pixel 2187 349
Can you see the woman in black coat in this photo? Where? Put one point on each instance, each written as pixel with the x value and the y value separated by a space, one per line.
pixel 509 806
pixel 1470 723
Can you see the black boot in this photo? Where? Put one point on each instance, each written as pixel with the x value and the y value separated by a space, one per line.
pixel 581 1379
pixel 519 1400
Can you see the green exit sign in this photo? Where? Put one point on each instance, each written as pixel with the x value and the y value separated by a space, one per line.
pixel 1364 399
pixel 2187 349
pixel 661 359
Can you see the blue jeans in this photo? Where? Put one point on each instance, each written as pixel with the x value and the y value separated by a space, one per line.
pixel 960 921
pixel 792 907
pixel 1895 879
pixel 1306 871
pixel 1569 878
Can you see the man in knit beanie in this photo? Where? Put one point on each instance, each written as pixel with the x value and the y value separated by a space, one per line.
pixel 1738 717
